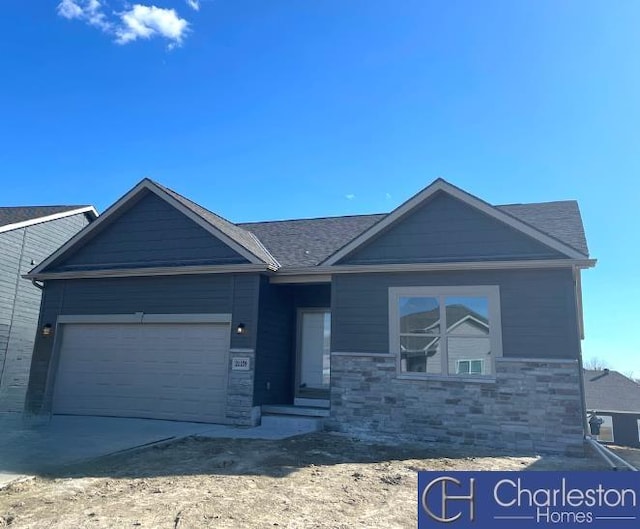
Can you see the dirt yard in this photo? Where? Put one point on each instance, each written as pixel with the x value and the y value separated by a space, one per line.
pixel 312 481
pixel 631 455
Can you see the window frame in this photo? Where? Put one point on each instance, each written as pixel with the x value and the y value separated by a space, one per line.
pixel 470 362
pixel 491 292
pixel 609 420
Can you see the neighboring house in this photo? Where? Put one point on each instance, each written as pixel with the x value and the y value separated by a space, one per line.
pixel 616 400
pixel 448 318
pixel 27 236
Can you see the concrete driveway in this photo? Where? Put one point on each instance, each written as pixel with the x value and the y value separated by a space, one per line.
pixel 28 448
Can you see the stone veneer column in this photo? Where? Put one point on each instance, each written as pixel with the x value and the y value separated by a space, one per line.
pixel 240 409
pixel 530 406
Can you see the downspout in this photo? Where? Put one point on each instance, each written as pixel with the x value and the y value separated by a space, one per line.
pixel 583 397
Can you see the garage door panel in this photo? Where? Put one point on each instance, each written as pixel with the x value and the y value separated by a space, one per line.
pixel 163 371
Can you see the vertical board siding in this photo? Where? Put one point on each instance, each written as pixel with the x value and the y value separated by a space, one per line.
pixel 445 229
pixel 275 347
pixel 538 309
pixel 191 294
pixel 277 335
pixel 150 233
pixel 21 250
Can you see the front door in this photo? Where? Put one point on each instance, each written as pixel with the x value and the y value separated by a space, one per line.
pixel 314 358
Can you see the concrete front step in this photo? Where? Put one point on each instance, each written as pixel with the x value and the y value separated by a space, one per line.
pixel 293 423
pixel 298 411
pixel 312 403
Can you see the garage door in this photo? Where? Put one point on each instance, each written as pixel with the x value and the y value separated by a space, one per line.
pixel 153 370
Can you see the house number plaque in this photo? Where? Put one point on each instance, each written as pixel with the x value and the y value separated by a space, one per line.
pixel 240 363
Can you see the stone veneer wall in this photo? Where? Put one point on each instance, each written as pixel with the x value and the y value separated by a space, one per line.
pixel 531 406
pixel 240 409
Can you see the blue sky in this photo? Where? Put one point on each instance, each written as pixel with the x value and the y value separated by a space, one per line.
pixel 263 109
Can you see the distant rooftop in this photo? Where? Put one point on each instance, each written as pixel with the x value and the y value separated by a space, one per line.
pixel 608 390
pixel 15 214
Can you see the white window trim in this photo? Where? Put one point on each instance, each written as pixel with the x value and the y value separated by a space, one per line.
pixel 470 360
pixel 604 418
pixel 491 292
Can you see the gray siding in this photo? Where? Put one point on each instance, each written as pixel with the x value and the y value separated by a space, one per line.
pixel 149 233
pixel 20 300
pixel 274 351
pixel 224 294
pixel 537 308
pixel 445 229
pixel 625 428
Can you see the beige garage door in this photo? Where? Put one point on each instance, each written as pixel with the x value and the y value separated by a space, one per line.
pixel 153 370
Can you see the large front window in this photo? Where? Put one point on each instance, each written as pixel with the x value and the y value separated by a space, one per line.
pixel 445 330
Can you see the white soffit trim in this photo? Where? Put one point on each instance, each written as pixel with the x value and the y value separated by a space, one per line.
pixel 481 205
pixel 47 218
pixel 130 195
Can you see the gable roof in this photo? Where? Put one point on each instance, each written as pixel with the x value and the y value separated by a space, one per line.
pixel 15 217
pixel 307 243
pixel 560 219
pixel 238 239
pixel 235 232
pixel 608 390
pixel 441 185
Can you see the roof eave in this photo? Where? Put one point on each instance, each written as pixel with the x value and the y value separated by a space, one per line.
pixel 444 186
pixel 88 210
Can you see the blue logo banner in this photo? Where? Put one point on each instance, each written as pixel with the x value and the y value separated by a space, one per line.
pixel 528 500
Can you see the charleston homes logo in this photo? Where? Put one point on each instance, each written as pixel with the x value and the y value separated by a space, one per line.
pixel 443 517
pixel 495 500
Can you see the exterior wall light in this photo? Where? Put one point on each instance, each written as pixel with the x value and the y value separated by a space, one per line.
pixel 47 329
pixel 241 329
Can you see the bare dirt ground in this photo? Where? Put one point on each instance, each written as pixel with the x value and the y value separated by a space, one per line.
pixel 631 455
pixel 312 481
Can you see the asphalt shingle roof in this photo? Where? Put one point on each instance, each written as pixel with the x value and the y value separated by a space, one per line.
pixel 559 219
pixel 13 215
pixel 307 242
pixel 241 236
pixel 611 391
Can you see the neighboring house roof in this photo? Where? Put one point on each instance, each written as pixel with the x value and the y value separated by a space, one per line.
pixel 608 390
pixel 456 314
pixel 15 217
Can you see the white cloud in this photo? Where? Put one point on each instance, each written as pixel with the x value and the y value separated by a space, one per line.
pixel 88 10
pixel 387 196
pixel 143 22
pixel 350 196
pixel 135 22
